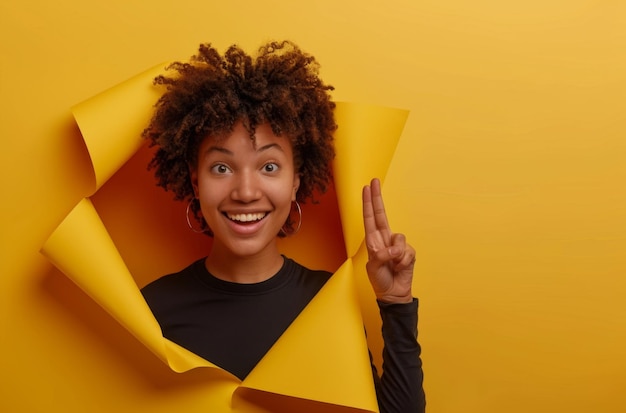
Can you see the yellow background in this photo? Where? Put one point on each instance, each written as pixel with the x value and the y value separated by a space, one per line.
pixel 509 180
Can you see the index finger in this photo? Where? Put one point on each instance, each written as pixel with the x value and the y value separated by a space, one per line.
pixel 374 215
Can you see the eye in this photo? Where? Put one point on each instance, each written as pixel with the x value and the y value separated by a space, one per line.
pixel 220 169
pixel 270 167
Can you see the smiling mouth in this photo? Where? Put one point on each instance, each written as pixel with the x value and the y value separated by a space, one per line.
pixel 247 218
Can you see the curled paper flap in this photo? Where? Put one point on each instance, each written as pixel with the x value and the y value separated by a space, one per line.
pixel 365 143
pixel 323 355
pixel 82 249
pixel 336 372
pixel 112 122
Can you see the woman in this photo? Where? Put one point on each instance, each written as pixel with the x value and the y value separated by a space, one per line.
pixel 245 139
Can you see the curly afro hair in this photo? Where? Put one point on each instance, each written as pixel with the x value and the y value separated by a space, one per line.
pixel 211 93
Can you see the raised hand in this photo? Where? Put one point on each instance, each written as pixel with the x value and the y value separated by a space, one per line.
pixel 390 259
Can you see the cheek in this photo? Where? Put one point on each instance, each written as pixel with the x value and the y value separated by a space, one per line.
pixel 288 193
pixel 208 193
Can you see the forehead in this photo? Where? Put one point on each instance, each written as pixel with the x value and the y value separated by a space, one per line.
pixel 239 140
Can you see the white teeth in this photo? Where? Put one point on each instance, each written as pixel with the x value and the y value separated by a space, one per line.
pixel 247 217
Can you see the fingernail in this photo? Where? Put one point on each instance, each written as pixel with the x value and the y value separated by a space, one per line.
pixel 393 251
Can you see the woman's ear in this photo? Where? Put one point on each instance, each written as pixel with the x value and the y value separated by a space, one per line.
pixel 193 176
pixel 296 186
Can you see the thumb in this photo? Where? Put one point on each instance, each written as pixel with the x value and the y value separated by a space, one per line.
pixel 384 255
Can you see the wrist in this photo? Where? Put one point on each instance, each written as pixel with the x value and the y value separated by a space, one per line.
pixel 394 299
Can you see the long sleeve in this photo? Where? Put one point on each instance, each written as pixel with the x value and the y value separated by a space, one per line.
pixel 400 388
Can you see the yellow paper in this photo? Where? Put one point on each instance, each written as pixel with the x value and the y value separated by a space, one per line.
pixel 321 361
pixel 365 143
pixel 320 357
pixel 112 122
pixel 81 248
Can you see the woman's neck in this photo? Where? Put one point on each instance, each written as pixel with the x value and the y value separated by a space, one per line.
pixel 225 265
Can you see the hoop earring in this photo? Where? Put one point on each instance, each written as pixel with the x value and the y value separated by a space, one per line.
pixel 295 231
pixel 189 221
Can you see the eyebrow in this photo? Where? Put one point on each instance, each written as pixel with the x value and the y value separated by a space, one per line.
pixel 230 153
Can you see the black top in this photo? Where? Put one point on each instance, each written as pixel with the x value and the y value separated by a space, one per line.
pixel 251 316
pixel 233 325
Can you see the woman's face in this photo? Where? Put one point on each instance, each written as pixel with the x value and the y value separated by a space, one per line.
pixel 245 188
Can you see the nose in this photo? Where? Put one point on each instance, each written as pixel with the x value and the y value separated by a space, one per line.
pixel 246 188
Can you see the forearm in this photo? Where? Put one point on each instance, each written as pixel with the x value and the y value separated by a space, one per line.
pixel 400 389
